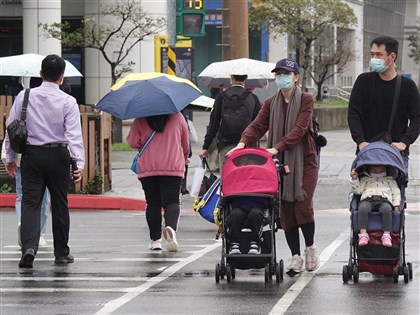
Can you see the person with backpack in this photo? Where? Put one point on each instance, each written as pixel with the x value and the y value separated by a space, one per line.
pixel 233 110
pixel 287 116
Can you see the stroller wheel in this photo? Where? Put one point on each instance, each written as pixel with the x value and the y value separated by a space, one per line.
pixel 395 274
pixel 279 271
pixel 355 274
pixel 267 273
pixel 410 270
pixel 233 271
pixel 406 274
pixel 228 274
pixel 346 274
pixel 217 273
pixel 222 271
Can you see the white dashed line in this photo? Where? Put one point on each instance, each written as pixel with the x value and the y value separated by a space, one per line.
pixel 113 305
pixel 287 299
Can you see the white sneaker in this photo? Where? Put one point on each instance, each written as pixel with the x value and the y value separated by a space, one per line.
pixel 42 241
pixel 169 235
pixel 311 258
pixel 155 245
pixel 19 238
pixel 296 264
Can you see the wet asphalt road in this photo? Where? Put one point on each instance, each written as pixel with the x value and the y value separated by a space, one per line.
pixel 115 273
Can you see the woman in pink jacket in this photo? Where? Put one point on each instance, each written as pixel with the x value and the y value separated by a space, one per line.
pixel 161 168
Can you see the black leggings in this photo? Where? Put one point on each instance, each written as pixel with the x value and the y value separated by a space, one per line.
pixel 161 192
pixel 292 237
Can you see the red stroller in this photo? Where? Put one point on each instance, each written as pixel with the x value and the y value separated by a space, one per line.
pixel 250 173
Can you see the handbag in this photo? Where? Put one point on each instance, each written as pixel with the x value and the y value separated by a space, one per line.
pixel 208 204
pixel 18 134
pixel 207 181
pixel 134 167
pixel 385 135
pixel 320 140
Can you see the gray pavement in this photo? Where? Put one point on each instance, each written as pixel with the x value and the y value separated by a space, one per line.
pixel 336 159
pixel 115 273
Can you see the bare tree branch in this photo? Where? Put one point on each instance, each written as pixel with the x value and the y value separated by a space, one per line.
pixel 124 24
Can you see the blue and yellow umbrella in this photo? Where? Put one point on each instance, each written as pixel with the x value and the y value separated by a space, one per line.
pixel 148 94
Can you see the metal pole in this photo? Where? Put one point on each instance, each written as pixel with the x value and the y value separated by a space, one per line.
pixel 226 35
pixel 171 37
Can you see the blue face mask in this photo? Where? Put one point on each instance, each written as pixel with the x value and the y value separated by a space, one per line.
pixel 284 82
pixel 378 65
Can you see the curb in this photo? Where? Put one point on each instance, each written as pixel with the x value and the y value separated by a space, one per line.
pixel 88 202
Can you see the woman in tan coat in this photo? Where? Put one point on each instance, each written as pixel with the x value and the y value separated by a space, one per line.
pixel 287 116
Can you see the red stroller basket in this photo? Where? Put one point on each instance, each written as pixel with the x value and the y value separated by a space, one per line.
pixel 250 170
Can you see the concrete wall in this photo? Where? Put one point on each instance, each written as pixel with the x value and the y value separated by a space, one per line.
pixel 333 118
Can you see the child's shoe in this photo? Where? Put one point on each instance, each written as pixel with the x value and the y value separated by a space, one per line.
pixel 386 240
pixel 363 239
pixel 234 249
pixel 254 249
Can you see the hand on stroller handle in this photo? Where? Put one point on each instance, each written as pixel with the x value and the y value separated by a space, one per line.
pixel 241 145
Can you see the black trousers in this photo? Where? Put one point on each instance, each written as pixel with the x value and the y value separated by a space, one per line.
pixel 292 237
pixel 43 167
pixel 239 218
pixel 161 191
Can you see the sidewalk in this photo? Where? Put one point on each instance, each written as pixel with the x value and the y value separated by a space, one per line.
pixel 127 194
pixel 336 160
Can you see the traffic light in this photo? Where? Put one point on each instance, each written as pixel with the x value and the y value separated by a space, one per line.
pixel 190 16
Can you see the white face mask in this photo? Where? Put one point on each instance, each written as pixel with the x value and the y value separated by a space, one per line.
pixel 378 175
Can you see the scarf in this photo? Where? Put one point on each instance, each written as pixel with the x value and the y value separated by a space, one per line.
pixel 279 126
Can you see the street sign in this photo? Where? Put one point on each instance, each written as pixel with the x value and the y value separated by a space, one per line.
pixel 184 56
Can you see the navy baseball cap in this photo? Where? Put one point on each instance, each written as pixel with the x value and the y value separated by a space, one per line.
pixel 287 64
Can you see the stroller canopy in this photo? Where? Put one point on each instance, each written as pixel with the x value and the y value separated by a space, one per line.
pixel 381 153
pixel 250 170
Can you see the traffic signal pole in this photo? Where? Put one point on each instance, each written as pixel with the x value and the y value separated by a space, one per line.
pixel 171 69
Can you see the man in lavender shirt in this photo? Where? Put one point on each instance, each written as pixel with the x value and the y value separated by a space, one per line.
pixel 54 138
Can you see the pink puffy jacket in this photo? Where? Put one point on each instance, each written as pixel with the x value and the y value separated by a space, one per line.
pixel 167 151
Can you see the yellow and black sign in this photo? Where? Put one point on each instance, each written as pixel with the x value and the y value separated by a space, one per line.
pixel 179 61
pixel 171 60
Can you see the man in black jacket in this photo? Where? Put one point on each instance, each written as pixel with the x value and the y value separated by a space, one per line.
pixel 372 97
pixel 233 110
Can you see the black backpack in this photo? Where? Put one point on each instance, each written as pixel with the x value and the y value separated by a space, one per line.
pixel 237 112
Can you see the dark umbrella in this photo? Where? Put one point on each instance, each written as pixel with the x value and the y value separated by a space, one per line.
pixel 148 94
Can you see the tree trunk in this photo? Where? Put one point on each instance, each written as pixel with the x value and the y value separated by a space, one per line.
pixel 116 122
pixel 319 92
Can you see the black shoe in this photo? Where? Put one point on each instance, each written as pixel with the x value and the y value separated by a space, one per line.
pixel 27 259
pixel 64 260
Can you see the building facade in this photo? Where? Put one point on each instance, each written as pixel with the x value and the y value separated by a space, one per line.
pixel 19 33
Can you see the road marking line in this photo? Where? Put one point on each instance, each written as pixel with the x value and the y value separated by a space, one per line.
pixel 50 290
pixel 287 299
pixel 163 259
pixel 61 279
pixel 113 305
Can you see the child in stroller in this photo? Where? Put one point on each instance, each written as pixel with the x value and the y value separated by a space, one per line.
pixel 378 192
pixel 373 253
pixel 246 211
pixel 249 210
